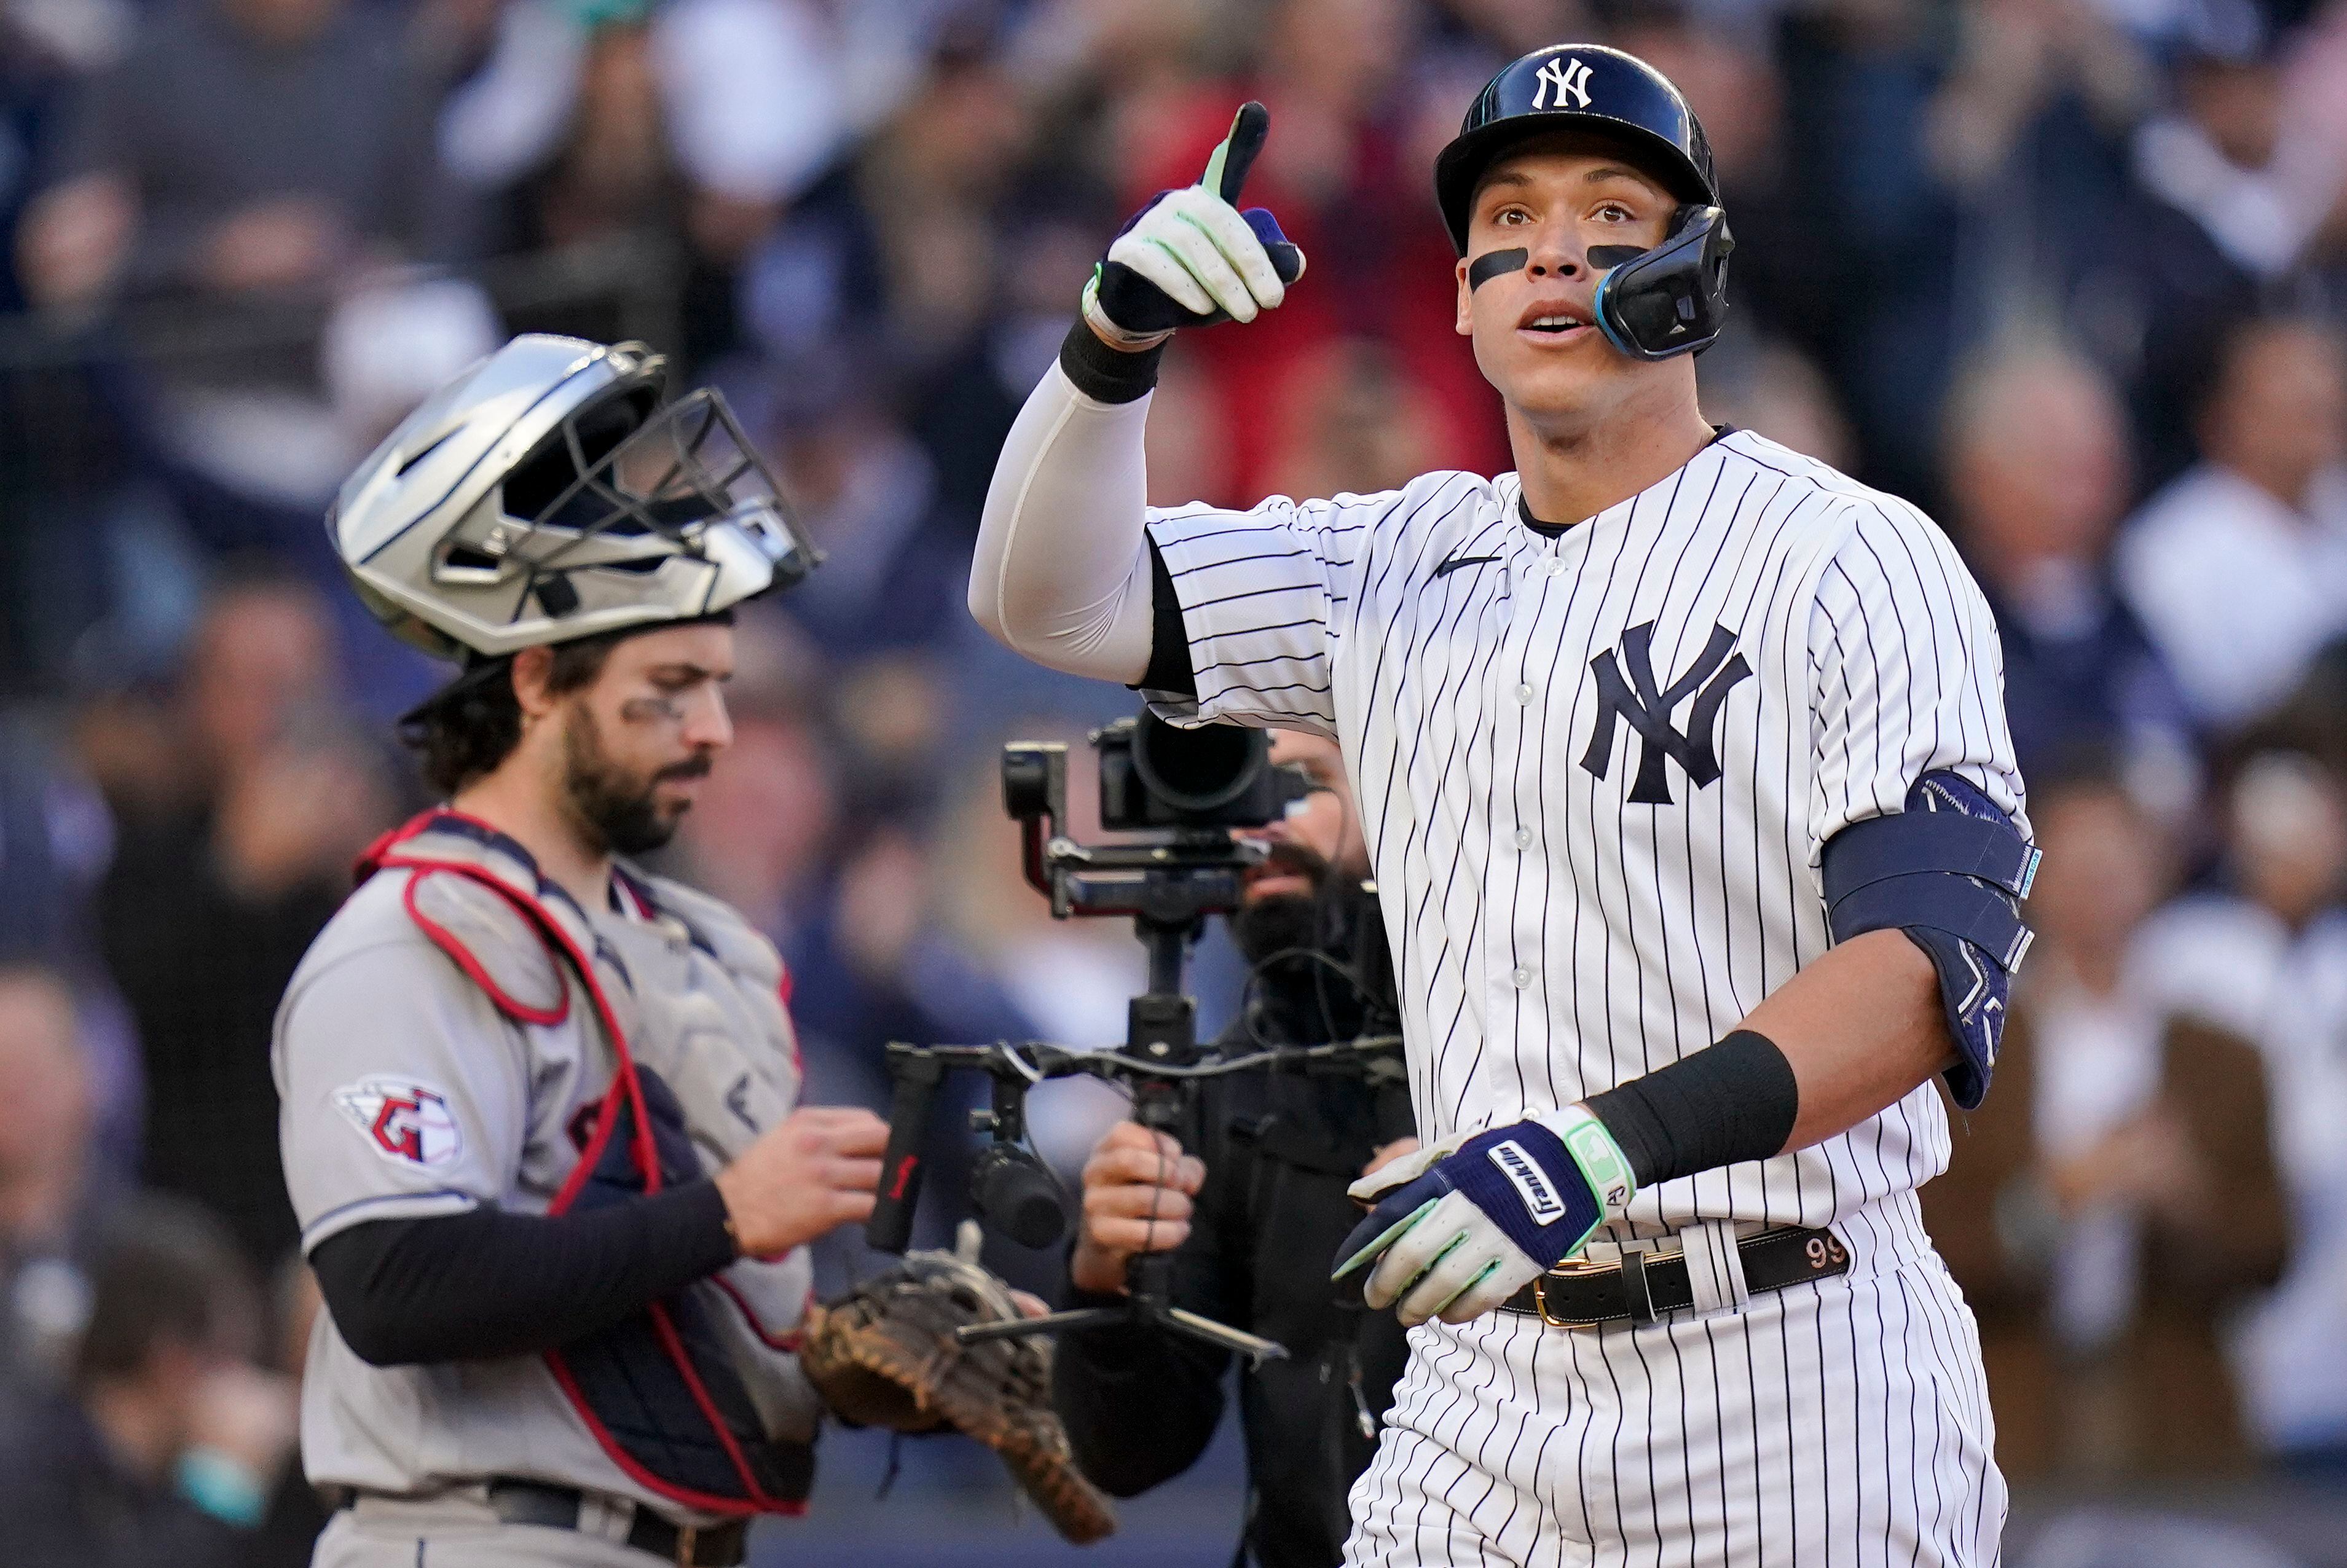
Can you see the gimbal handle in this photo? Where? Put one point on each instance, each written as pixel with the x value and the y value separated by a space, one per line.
pixel 890 1229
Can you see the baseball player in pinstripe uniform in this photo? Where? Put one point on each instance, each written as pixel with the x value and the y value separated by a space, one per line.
pixel 1686 777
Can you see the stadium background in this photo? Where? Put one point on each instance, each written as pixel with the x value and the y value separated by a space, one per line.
pixel 2067 273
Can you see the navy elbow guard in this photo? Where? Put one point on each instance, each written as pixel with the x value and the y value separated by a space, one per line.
pixel 1951 871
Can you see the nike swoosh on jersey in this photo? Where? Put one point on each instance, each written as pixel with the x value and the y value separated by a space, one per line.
pixel 1455 562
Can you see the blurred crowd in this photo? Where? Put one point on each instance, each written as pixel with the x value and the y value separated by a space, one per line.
pixel 2072 274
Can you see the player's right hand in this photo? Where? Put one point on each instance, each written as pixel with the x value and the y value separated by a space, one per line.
pixel 1461 1226
pixel 1138 1187
pixel 814 1170
pixel 1191 258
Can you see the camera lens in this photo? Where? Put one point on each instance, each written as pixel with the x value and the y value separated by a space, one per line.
pixel 1019 1196
pixel 1197 772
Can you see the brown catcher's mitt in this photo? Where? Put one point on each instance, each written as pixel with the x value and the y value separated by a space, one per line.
pixel 884 1355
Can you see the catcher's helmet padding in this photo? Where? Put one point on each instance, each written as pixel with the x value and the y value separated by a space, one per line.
pixel 1672 300
pixel 553 470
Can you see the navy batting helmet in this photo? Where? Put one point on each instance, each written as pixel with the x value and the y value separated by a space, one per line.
pixel 1668 300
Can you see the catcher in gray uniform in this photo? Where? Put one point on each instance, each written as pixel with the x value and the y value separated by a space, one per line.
pixel 539 1110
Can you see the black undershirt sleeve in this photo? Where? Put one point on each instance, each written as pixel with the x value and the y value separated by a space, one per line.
pixel 1168 640
pixel 485 1284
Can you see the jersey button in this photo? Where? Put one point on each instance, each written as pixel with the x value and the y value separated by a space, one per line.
pixel 1523 978
pixel 1524 839
pixel 1524 693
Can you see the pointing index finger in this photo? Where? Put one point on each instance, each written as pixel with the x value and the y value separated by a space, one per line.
pixel 1226 171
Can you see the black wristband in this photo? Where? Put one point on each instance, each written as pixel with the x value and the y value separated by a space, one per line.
pixel 1728 1104
pixel 1107 375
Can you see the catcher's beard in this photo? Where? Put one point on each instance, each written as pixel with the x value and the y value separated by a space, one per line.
pixel 616 807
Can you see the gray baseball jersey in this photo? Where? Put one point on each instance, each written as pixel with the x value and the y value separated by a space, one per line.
pixel 407 1089
pixel 1596 771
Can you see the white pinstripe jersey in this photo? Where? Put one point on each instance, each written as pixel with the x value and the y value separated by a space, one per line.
pixel 1596 771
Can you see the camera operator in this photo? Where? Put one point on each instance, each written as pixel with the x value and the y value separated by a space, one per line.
pixel 1253 1214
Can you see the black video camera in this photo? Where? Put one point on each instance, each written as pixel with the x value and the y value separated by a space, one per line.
pixel 1154 775
pixel 1184 789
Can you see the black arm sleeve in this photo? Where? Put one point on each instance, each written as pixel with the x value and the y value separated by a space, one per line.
pixel 1731 1101
pixel 1140 1407
pixel 486 1284
pixel 1168 640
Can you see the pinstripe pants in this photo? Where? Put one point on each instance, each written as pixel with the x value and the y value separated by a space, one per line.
pixel 1841 1424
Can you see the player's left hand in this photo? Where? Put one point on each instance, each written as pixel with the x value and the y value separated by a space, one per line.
pixel 1191 258
pixel 1461 1226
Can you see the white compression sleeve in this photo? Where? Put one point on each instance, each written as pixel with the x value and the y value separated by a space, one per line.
pixel 1061 573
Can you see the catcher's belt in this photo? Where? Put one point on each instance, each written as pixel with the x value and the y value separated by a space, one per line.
pixel 1644 1285
pixel 517 1502
pixel 885 1355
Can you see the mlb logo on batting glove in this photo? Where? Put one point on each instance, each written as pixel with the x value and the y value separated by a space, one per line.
pixel 1458 1230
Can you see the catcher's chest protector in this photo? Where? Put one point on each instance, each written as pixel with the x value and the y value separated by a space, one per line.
pixel 699 1395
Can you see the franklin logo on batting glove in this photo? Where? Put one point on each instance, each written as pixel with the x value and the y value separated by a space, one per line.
pixel 1462 1226
pixel 1541 1201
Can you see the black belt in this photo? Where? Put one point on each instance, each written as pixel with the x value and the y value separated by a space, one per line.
pixel 557 1508
pixel 1641 1288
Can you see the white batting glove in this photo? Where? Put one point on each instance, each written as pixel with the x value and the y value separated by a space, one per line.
pixel 1191 258
pixel 1462 1226
pixel 1403 1169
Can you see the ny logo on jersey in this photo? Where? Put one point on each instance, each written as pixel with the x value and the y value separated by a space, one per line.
pixel 1714 672
pixel 1571 79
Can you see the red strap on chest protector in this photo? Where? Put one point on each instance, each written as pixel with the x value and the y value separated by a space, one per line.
pixel 386 854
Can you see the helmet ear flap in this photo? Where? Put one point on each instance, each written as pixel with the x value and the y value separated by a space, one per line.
pixel 1673 300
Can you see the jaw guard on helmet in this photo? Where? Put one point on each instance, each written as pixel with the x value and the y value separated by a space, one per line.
pixel 1671 300
pixel 549 493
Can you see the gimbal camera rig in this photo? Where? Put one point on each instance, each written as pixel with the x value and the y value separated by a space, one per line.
pixel 1185 789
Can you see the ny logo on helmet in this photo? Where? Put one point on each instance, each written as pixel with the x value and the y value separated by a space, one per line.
pixel 1716 671
pixel 1571 78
